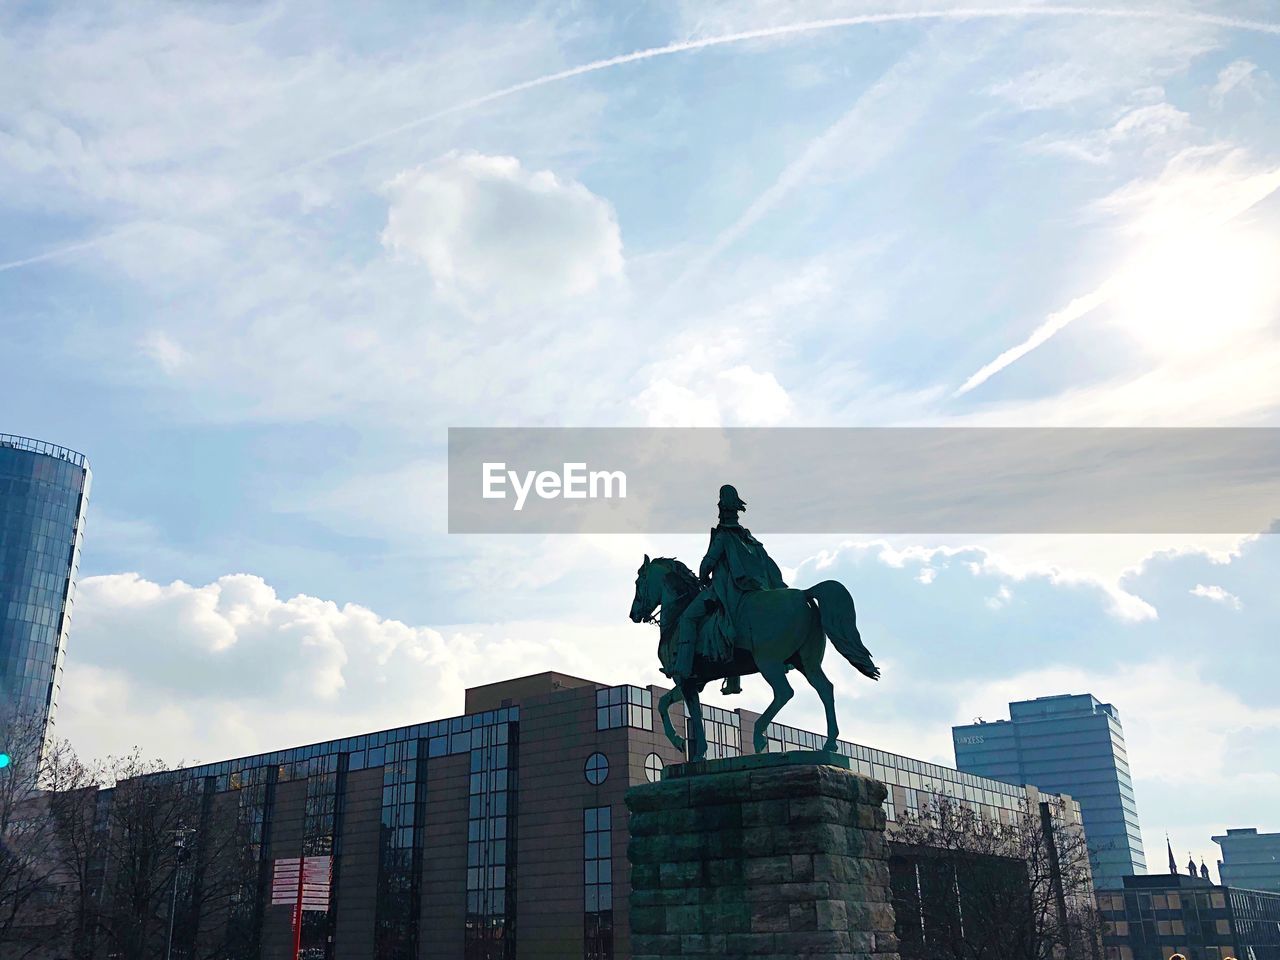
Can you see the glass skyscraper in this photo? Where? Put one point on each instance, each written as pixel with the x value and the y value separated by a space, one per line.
pixel 44 489
pixel 1066 744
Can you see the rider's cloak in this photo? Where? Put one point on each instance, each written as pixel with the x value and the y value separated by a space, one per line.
pixel 738 563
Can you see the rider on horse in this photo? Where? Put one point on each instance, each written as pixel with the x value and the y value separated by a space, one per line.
pixel 736 563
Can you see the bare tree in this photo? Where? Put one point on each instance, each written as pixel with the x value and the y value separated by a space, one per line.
pixel 968 887
pixel 26 833
pixel 120 858
pixel 162 862
pixel 71 803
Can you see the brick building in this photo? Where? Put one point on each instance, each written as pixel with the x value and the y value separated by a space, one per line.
pixel 498 834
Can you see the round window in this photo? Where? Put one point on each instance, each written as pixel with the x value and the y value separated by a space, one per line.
pixel 653 768
pixel 597 768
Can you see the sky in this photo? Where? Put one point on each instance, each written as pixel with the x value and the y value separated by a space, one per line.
pixel 256 259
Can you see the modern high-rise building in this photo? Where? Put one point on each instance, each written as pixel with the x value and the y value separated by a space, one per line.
pixel 1066 744
pixel 44 489
pixel 1250 859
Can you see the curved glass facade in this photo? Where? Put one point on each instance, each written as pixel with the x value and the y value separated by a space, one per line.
pixel 44 490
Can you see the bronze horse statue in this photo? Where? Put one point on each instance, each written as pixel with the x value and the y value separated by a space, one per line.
pixel 776 631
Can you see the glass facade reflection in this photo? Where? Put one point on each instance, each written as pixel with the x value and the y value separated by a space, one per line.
pixel 44 490
pixel 912 782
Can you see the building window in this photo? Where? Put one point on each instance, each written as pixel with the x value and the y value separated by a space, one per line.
pixel 596 769
pixel 624 706
pixel 722 730
pixel 400 851
pixel 491 844
pixel 320 837
pixel 255 807
pixel 653 768
pixel 597 877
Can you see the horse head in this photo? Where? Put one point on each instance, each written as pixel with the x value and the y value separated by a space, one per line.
pixel 648 590
pixel 656 578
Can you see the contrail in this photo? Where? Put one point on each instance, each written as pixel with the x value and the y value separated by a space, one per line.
pixel 807 26
pixel 1073 311
pixel 687 46
pixel 815 153
pixel 1081 306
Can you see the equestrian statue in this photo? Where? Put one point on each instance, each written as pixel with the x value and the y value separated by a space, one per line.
pixel 737 617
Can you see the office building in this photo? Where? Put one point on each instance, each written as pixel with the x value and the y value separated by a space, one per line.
pixel 44 489
pixel 1069 744
pixel 1153 917
pixel 1250 859
pixel 494 835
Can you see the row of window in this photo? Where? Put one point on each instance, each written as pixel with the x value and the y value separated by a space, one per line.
pixel 368 750
pixel 1144 904
pixel 597 883
pixel 596 769
pixel 399 851
pixel 490 917
pixel 1157 952
pixel 44 612
pixel 723 732
pixel 320 834
pixel 624 706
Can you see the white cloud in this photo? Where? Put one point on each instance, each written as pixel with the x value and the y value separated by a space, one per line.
pixel 738 396
pixel 1068 65
pixel 1151 127
pixel 1241 76
pixel 707 380
pixel 168 355
pixel 487 228
pixel 231 668
pixel 1216 594
pixel 1000 598
pixel 1011 560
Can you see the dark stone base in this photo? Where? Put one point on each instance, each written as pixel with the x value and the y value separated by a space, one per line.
pixel 772 856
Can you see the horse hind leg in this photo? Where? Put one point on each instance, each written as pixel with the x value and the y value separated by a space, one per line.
pixel 775 674
pixel 697 731
pixel 812 670
pixel 672 696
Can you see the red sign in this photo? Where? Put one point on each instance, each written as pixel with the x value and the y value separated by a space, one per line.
pixel 303 883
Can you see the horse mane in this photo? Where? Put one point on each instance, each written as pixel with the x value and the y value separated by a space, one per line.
pixel 685 577
pixel 685 586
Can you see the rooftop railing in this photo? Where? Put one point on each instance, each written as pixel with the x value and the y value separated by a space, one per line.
pixel 47 449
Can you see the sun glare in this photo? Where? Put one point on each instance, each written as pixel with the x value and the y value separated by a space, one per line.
pixel 1200 292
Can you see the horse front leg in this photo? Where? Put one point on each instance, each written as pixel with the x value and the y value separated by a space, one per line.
pixel 775 673
pixel 672 696
pixel 697 733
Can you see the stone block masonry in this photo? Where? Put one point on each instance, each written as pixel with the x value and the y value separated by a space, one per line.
pixel 763 857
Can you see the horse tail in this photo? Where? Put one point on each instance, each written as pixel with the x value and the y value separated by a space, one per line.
pixel 840 624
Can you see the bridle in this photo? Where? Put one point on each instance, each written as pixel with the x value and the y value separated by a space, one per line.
pixel 681 593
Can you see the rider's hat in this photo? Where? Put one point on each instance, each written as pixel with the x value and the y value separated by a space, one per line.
pixel 729 499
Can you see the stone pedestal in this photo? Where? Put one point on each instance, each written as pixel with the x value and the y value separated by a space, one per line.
pixel 770 856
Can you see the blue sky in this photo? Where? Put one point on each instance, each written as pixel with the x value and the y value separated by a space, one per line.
pixel 256 259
